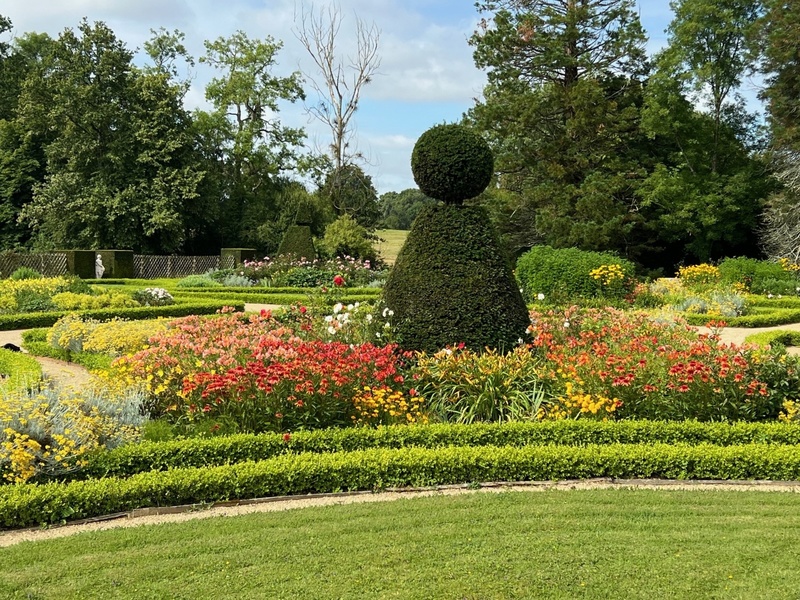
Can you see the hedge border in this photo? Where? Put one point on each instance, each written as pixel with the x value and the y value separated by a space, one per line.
pixel 46 319
pixel 25 505
pixel 784 337
pixel 780 316
pixel 126 461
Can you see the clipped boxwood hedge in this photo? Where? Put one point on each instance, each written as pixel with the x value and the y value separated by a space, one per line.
pixel 183 309
pixel 128 460
pixel 25 505
pixel 775 336
pixel 761 318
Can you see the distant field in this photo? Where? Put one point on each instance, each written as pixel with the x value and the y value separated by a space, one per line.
pixel 393 241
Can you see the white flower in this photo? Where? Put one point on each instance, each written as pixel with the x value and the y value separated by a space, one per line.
pixel 328 318
pixel 349 307
pixel 566 323
pixel 337 308
pixel 769 295
pixel 378 334
pixel 540 296
pixel 779 296
pixel 386 310
pixel 369 318
pixel 391 313
pixel 387 325
pixel 357 304
pixel 331 330
pixel 519 341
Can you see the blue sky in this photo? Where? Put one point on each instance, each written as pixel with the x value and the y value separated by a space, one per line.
pixel 427 75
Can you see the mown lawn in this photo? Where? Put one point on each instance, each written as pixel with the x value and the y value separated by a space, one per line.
pixel 575 544
pixel 393 240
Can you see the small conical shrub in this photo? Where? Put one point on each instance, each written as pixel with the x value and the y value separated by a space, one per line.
pixel 298 242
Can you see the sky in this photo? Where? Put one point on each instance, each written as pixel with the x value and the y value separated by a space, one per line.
pixel 427 75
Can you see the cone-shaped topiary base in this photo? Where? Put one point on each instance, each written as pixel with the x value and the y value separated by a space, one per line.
pixel 451 284
pixel 298 241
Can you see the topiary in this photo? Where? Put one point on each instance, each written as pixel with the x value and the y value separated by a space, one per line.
pixel 452 163
pixel 297 241
pixel 450 284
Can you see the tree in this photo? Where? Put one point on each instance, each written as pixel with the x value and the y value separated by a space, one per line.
pixel 775 38
pixel 118 155
pixel 244 143
pixel 350 191
pixel 560 111
pixel 22 152
pixel 706 193
pixel 338 81
pixel 399 209
pixel 707 55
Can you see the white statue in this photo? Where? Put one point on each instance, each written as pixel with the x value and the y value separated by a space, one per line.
pixel 99 269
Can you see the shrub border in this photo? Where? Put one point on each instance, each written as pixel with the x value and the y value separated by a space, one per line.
pixel 46 319
pixel 24 505
pixel 126 461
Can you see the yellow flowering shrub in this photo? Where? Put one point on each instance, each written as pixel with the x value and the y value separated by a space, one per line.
pixel 790 412
pixel 699 275
pixel 383 406
pixel 118 337
pixel 608 274
pixel 115 337
pixel 11 289
pixel 788 265
pixel 575 403
pixel 72 301
pixel 48 432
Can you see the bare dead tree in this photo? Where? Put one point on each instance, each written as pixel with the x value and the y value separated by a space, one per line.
pixel 780 229
pixel 338 80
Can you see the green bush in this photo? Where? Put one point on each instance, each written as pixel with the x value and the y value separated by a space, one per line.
pixel 346 238
pixel 32 301
pixel 25 273
pixel 451 284
pixel 754 274
pixel 563 274
pixel 30 505
pixel 297 241
pixel 198 281
pixel 18 370
pixel 452 163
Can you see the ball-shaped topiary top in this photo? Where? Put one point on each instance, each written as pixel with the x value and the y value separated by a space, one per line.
pixel 452 163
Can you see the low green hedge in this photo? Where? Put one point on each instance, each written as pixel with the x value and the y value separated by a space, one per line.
pixel 45 319
pixel 128 460
pixel 267 291
pixel 775 336
pixel 25 505
pixel 18 369
pixel 762 318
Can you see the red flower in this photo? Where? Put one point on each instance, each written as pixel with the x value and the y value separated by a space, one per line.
pixel 286 438
pixel 338 281
pixel 303 310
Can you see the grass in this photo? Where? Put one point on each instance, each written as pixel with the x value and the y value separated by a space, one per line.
pixel 393 240
pixel 576 544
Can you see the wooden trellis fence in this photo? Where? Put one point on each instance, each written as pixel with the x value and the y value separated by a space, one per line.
pixel 155 266
pixel 49 264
